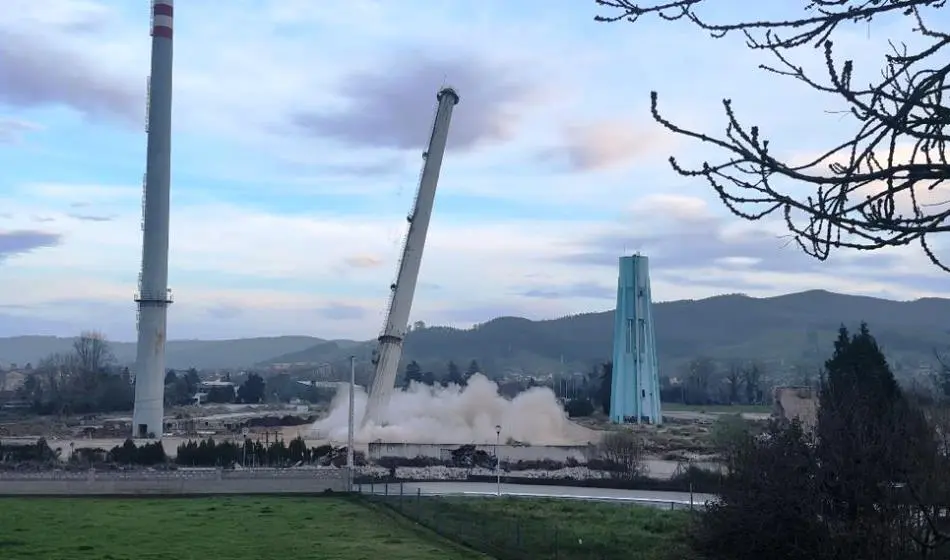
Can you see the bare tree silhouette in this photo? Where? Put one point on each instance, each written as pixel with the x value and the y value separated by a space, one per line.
pixel 873 189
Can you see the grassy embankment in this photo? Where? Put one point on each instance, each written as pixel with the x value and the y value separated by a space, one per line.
pixel 527 529
pixel 236 528
pixel 250 528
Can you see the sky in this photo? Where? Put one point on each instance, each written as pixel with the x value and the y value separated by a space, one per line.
pixel 298 129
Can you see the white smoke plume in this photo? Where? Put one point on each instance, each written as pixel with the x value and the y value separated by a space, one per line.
pixel 456 415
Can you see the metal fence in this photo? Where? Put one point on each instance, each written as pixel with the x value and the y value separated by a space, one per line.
pixel 508 537
pixel 393 489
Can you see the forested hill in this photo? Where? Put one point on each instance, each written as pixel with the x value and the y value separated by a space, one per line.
pixel 237 353
pixel 794 328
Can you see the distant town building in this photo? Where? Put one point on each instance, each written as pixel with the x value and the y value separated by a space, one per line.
pixel 205 387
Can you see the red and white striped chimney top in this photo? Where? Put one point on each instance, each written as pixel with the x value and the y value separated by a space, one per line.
pixel 162 13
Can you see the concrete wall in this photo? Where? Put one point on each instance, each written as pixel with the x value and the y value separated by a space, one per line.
pixel 509 453
pixel 181 482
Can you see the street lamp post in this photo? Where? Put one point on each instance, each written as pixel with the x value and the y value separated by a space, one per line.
pixel 349 428
pixel 497 461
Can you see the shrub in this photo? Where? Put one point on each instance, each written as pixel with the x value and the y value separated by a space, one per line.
pixel 622 453
pixel 577 408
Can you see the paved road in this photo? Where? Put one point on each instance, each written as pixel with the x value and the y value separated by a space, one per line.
pixel 645 497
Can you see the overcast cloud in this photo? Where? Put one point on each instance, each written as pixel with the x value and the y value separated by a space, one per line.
pixel 386 107
pixel 35 72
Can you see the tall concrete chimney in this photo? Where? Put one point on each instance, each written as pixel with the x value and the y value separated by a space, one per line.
pixel 153 296
pixel 389 350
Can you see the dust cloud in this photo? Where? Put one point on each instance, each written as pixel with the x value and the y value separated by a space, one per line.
pixel 453 415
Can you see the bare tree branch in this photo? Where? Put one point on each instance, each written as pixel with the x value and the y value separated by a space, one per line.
pixel 879 187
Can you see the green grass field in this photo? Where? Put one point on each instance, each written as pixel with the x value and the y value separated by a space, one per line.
pixel 717 408
pixel 525 529
pixel 236 528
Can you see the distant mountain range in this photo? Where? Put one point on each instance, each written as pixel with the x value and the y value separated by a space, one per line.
pixel 202 354
pixel 790 329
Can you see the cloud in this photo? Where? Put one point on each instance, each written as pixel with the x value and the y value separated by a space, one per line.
pixel 35 72
pixel 86 192
pixel 224 312
pixel 71 16
pixel 23 241
pixel 264 263
pixel 91 218
pixel 583 290
pixel 678 207
pixel 279 222
pixel 13 130
pixel 606 144
pixel 227 259
pixel 392 106
pixel 731 284
pixel 684 234
pixel 692 246
pixel 363 261
pixel 688 244
pixel 930 194
pixel 342 311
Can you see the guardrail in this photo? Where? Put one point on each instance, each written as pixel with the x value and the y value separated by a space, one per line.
pixel 398 490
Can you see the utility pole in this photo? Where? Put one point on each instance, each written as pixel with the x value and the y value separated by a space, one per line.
pixel 497 461
pixel 244 433
pixel 349 429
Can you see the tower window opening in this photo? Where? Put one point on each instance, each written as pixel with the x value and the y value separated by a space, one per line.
pixel 642 336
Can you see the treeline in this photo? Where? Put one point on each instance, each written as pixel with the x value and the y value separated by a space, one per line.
pixel 87 380
pixel 254 453
pixel 83 381
pixel 702 381
pixel 34 453
pixel 284 388
pixel 182 388
pixel 453 375
pixel 41 455
pixel 208 453
pixel 204 453
pixel 867 480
